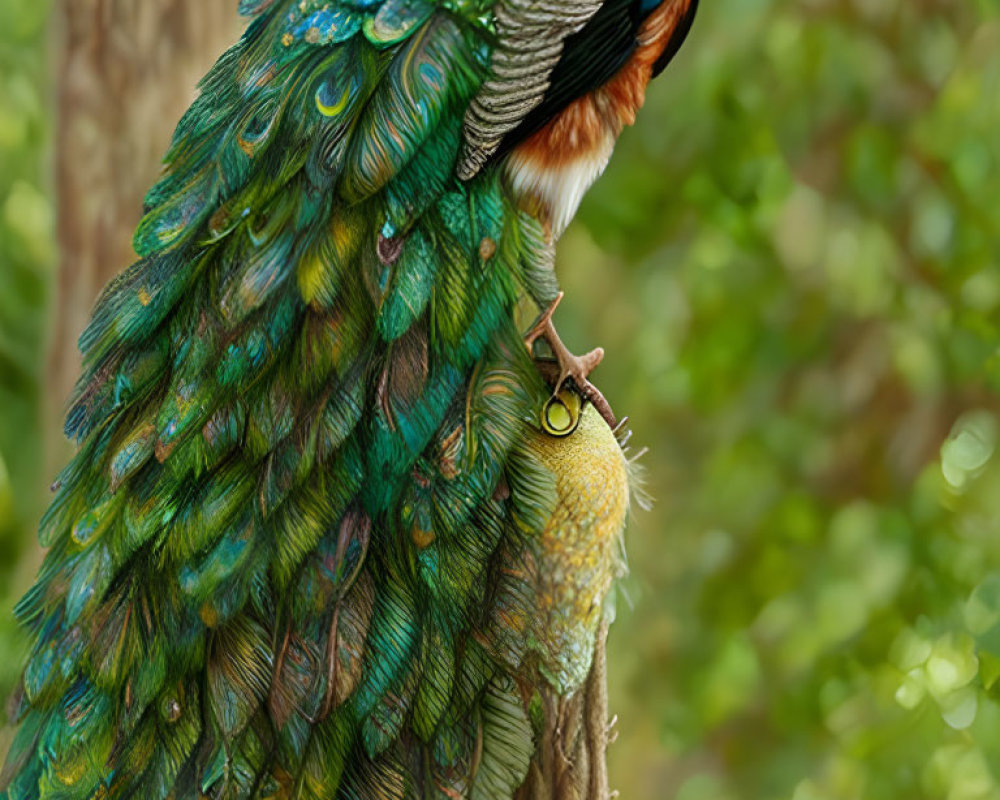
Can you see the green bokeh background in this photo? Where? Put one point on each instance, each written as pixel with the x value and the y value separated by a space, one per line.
pixel 792 263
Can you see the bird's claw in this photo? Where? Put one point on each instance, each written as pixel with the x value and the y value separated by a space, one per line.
pixel 571 366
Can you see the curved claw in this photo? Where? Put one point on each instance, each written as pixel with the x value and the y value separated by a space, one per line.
pixel 577 368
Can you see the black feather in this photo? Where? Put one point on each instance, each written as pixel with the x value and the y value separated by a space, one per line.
pixel 593 56
pixel 590 58
pixel 676 39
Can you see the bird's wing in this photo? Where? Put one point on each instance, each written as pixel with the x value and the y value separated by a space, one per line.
pixel 284 562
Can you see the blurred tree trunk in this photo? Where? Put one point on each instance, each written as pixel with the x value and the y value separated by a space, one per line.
pixel 125 72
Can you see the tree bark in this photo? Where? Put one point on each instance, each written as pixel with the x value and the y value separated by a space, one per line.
pixel 126 70
pixel 571 761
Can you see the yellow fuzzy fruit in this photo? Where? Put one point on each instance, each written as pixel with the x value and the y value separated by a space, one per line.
pixel 579 554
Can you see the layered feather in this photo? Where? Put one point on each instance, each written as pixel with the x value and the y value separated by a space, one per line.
pixel 272 556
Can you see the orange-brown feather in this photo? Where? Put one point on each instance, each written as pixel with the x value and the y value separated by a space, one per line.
pixel 584 124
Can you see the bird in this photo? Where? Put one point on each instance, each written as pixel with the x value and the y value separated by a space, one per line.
pixel 344 511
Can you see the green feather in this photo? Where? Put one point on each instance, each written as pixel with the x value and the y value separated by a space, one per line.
pixel 507 743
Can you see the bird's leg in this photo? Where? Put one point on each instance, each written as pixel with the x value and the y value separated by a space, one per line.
pixel 571 366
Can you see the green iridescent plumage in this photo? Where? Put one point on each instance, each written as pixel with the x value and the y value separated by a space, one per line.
pixel 292 557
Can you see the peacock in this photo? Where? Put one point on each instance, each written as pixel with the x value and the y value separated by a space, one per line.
pixel 344 510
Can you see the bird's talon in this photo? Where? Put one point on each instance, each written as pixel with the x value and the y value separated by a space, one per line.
pixel 571 367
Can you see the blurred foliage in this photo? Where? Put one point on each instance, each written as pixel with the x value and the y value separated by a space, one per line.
pixel 27 254
pixel 792 264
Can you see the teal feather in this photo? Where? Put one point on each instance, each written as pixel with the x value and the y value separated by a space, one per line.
pixel 384 724
pixel 55 653
pixel 22 769
pixel 435 73
pixel 223 431
pixel 255 349
pixel 134 451
pixel 239 674
pixel 424 179
pixel 200 578
pixel 134 304
pixel 391 644
pixel 176 219
pixel 410 289
pixel 395 20
pixel 91 578
pixel 96 399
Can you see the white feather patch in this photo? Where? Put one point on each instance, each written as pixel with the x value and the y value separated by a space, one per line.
pixel 560 189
